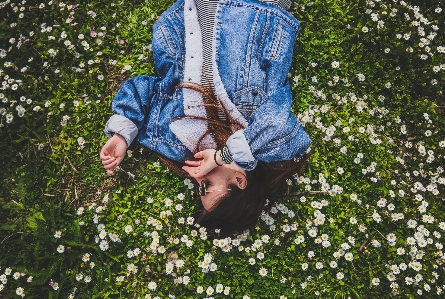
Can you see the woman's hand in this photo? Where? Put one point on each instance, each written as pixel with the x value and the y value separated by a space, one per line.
pixel 113 152
pixel 200 168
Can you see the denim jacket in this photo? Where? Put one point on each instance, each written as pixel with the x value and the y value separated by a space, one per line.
pixel 252 51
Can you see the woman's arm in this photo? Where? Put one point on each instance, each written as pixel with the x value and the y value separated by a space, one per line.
pixel 273 134
pixel 134 99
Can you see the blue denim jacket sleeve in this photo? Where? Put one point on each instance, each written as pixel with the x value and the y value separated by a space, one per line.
pixel 273 133
pixel 135 99
pixel 131 106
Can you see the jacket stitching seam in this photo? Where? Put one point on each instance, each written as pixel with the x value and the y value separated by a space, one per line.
pixel 277 38
pixel 250 45
pixel 263 37
pixel 167 40
pixel 180 35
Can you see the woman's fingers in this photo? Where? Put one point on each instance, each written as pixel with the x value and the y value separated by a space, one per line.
pixel 187 169
pixel 193 163
pixel 111 165
pixel 198 155
pixel 112 153
pixel 104 152
pixel 108 160
pixel 192 171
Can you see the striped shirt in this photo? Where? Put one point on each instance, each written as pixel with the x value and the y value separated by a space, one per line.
pixel 206 18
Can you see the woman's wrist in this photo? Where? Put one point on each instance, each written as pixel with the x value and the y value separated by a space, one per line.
pixel 222 157
pixel 217 158
pixel 119 137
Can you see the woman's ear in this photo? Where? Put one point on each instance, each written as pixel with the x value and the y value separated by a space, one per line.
pixel 241 180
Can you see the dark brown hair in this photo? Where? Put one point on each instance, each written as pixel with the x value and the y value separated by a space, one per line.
pixel 238 209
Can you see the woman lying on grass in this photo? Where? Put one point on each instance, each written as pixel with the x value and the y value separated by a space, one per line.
pixel 219 109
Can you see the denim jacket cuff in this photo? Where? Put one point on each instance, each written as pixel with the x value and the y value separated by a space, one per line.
pixel 123 126
pixel 240 151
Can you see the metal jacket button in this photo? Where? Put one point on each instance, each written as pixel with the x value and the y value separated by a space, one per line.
pixel 255 92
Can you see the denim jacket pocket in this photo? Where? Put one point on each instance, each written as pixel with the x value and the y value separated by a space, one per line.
pixel 249 99
pixel 280 40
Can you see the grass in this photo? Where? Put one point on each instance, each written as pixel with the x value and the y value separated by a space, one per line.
pixel 365 221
